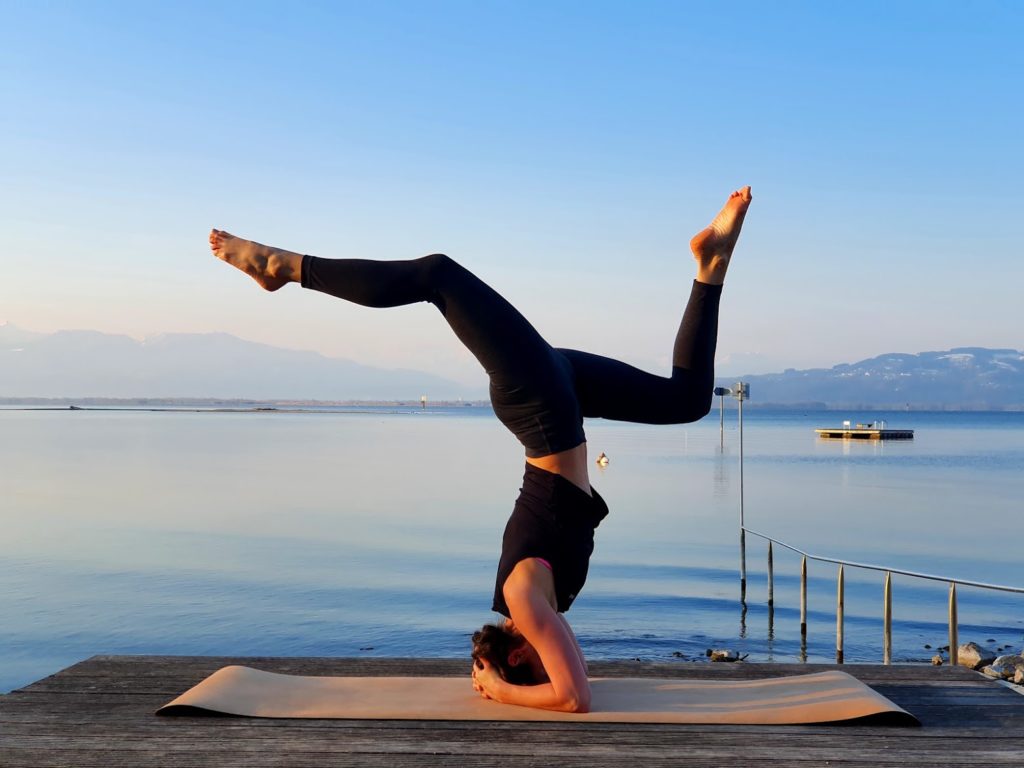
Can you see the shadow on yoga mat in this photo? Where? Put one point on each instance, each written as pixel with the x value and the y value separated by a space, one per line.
pixel 823 697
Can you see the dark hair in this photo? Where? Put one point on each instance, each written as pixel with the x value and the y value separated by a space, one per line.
pixel 494 644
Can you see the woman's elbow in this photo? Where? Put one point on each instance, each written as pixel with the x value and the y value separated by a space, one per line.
pixel 578 703
pixel 581 707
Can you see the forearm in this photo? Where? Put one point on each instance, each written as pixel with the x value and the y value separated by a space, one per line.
pixel 543 696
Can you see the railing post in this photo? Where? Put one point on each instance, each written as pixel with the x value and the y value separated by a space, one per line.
pixel 803 599
pixel 839 617
pixel 738 392
pixel 954 650
pixel 739 399
pixel 771 595
pixel 743 619
pixel 743 565
pixel 887 621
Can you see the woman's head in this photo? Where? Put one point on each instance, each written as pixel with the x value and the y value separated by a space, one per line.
pixel 508 652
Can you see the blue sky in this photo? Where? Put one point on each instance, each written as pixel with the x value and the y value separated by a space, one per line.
pixel 565 151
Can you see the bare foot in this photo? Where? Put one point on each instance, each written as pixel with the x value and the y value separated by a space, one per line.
pixel 712 246
pixel 272 268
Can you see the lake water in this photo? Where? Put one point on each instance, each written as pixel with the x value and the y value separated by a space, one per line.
pixel 376 533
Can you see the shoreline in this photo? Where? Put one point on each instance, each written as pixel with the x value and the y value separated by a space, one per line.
pixel 297 405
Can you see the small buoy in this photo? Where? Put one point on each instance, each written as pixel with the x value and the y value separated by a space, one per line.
pixel 602 460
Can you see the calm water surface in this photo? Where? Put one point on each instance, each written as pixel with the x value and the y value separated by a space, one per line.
pixel 376 533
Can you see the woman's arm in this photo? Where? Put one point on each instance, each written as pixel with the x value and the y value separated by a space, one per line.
pixel 530 603
pixel 575 642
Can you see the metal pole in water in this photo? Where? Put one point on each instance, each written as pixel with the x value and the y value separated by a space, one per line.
pixel 839 618
pixel 954 650
pixel 803 599
pixel 887 621
pixel 743 565
pixel 803 609
pixel 771 594
pixel 739 393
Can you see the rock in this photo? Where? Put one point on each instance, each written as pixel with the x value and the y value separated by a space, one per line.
pixel 927 646
pixel 1005 667
pixel 991 671
pixel 724 655
pixel 1013 660
pixel 1018 676
pixel 937 660
pixel 974 656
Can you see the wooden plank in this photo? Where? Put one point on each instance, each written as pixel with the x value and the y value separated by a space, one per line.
pixel 819 749
pixel 514 751
pixel 297 757
pixel 100 713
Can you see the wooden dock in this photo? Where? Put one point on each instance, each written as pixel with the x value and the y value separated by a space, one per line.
pixel 99 713
pixel 865 433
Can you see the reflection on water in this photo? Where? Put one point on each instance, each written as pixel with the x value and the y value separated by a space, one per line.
pixel 724 467
pixel 377 534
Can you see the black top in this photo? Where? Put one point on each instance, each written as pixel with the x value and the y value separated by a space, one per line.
pixel 555 520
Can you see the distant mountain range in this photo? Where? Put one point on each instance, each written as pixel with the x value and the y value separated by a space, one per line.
pixel 88 364
pixel 966 377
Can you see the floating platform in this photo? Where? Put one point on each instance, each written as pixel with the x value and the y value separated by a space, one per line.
pixel 865 433
pixel 99 714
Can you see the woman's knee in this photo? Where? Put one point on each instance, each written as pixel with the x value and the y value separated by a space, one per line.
pixel 690 406
pixel 702 405
pixel 437 264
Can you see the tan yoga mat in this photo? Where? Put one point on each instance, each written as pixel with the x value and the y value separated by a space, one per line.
pixel 823 697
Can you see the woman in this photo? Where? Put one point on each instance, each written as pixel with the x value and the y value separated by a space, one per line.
pixel 542 395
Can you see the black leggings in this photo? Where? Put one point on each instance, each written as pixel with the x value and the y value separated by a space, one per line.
pixel 540 393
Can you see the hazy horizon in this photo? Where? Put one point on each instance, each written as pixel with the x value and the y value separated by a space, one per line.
pixel 751 364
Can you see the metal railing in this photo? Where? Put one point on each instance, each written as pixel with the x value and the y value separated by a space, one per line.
pixel 741 391
pixel 887 597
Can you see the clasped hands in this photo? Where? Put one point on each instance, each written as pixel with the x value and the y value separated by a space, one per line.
pixel 485 678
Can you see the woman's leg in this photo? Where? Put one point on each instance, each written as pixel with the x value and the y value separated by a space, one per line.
pixel 611 389
pixel 614 390
pixel 504 342
pixel 531 385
